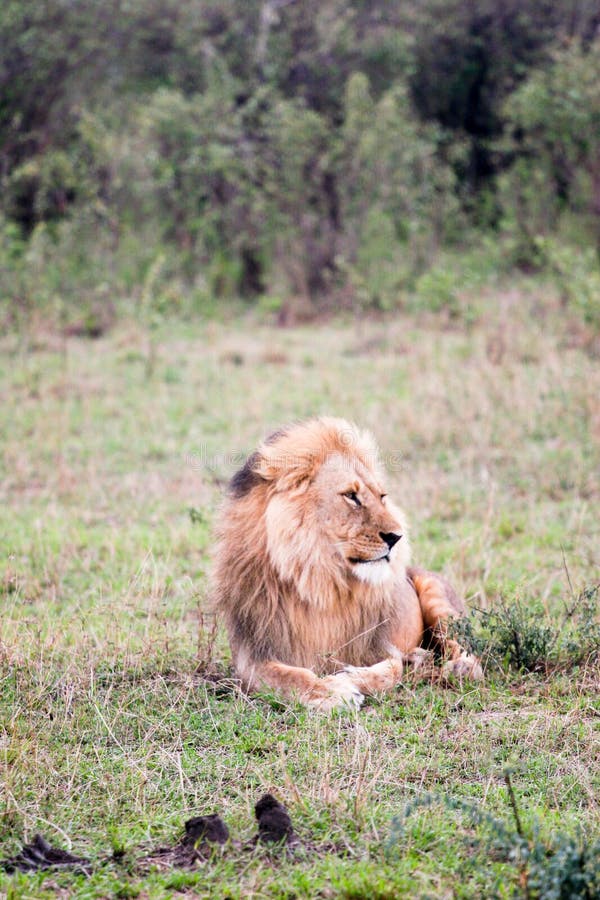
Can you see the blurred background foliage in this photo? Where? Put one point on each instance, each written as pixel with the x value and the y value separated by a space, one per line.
pixel 296 154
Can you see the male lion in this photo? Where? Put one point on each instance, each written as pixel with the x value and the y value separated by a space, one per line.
pixel 311 572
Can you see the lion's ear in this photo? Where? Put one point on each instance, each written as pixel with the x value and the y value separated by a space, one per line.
pixel 286 473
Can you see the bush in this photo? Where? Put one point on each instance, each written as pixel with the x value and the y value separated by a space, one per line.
pixel 555 121
pixel 576 271
pixel 436 290
pixel 261 150
pixel 521 636
pixel 12 250
pixel 562 868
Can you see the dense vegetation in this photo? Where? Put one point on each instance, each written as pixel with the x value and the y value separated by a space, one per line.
pixel 301 152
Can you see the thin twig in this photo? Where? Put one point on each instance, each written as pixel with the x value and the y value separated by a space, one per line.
pixel 566 568
pixel 513 803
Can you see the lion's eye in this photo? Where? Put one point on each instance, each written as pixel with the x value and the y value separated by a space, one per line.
pixel 383 498
pixel 353 497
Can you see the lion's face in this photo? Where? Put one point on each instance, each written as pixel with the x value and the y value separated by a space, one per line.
pixel 328 518
pixel 360 524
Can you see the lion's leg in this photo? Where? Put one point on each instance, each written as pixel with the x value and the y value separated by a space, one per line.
pixel 295 682
pixel 439 603
pixel 384 675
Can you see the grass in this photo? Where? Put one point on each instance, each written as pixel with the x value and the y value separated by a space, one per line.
pixel 114 457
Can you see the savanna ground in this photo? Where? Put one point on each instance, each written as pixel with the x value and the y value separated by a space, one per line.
pixel 118 718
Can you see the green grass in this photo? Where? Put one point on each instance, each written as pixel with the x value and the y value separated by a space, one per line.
pixel 114 455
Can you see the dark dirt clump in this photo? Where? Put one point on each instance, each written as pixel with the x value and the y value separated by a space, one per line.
pixel 274 823
pixel 203 835
pixel 39 854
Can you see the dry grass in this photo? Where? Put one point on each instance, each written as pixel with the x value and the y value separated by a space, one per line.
pixel 491 437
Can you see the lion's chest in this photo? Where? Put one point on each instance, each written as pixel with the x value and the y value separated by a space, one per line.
pixel 356 630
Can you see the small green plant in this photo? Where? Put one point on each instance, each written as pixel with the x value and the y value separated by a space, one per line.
pixel 577 275
pixel 436 291
pixel 520 635
pixel 378 275
pixel 563 867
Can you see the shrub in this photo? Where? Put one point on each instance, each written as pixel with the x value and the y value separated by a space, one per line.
pixel 576 271
pixel 555 117
pixel 564 867
pixel 436 290
pixel 521 635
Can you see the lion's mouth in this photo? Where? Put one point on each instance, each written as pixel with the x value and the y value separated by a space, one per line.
pixel 355 560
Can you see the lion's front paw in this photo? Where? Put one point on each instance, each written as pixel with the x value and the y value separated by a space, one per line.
pixel 464 666
pixel 382 676
pixel 334 692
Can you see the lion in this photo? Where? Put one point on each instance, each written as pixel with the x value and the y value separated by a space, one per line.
pixel 312 573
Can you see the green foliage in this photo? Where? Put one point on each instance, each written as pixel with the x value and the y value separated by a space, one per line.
pixel 299 220
pixel 377 276
pixel 47 183
pixel 398 195
pixel 577 274
pixel 567 868
pixel 522 636
pixel 557 111
pixel 436 290
pixel 469 57
pixel 554 117
pixel 309 150
pixel 563 867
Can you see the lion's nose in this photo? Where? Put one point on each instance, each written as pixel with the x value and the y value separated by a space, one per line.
pixel 390 538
